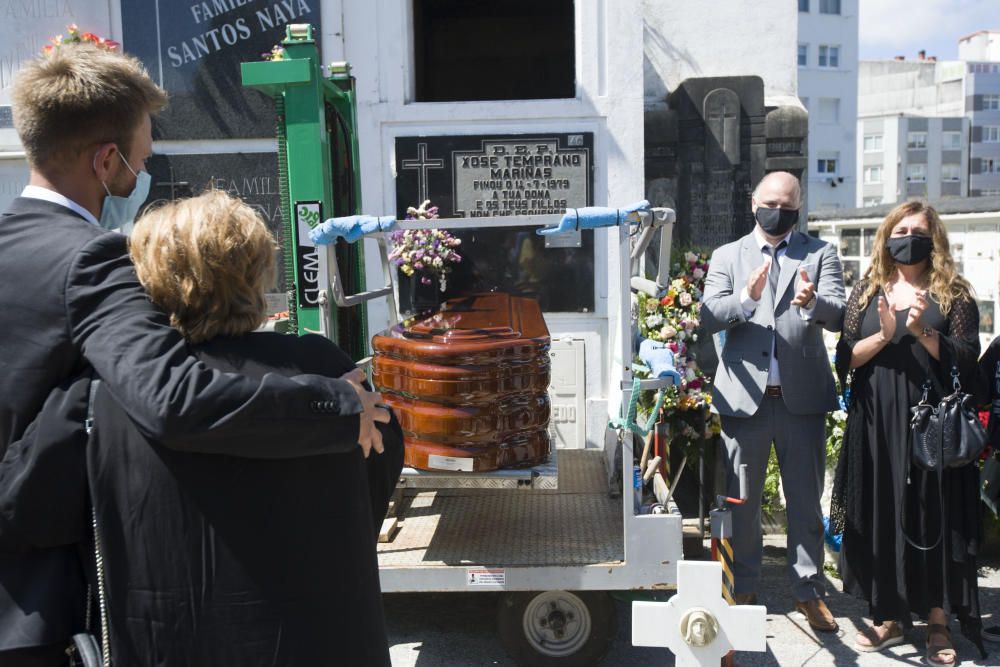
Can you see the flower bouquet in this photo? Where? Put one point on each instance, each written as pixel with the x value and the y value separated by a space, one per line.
pixel 74 36
pixel 429 253
pixel 673 319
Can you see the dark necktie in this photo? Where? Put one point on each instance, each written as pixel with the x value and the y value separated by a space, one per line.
pixel 772 279
pixel 775 270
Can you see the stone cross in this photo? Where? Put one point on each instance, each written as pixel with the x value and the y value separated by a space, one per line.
pixel 422 165
pixel 696 624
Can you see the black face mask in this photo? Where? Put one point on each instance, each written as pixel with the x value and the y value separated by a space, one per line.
pixel 910 249
pixel 776 221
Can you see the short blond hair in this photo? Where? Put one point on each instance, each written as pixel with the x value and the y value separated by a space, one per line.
pixel 206 261
pixel 79 96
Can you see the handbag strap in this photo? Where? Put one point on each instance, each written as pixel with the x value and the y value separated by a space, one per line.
pixel 98 556
pixel 940 476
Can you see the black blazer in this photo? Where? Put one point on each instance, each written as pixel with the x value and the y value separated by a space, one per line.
pixel 218 560
pixel 214 559
pixel 69 299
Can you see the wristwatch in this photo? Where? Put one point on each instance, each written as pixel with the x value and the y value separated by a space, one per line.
pixel 927 332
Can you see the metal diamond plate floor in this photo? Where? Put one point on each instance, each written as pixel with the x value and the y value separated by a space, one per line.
pixel 576 524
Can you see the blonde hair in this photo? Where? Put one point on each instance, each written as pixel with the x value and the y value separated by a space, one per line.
pixel 79 96
pixel 944 283
pixel 206 261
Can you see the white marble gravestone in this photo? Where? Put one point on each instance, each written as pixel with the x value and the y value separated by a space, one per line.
pixel 697 624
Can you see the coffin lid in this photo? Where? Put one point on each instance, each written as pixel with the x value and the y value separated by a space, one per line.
pixel 482 318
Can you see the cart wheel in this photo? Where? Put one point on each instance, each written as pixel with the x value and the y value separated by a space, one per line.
pixel 556 627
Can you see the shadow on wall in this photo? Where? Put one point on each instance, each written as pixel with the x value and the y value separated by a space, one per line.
pixel 658 54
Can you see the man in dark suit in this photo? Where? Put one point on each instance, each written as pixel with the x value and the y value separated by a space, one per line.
pixel 71 301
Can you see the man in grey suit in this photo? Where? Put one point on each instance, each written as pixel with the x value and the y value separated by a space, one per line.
pixel 773 292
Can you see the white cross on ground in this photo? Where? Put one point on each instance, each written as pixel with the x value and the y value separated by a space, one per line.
pixel 697 624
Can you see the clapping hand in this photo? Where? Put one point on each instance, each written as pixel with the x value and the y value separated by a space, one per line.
pixel 807 290
pixel 914 319
pixel 757 280
pixel 369 436
pixel 886 319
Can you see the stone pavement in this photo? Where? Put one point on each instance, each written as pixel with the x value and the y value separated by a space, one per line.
pixel 792 642
pixel 459 628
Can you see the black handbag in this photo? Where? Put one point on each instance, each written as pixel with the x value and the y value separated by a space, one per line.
pixel 948 435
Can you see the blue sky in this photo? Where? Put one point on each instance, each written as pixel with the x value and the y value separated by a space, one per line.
pixel 902 27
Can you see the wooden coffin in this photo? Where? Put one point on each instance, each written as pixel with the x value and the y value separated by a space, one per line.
pixel 469 383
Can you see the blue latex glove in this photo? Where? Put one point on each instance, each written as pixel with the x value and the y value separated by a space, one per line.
pixel 352 228
pixel 592 217
pixel 659 358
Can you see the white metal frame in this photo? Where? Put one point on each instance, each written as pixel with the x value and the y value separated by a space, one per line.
pixel 652 544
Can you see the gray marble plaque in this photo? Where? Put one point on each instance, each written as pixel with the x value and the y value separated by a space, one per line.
pixel 27 25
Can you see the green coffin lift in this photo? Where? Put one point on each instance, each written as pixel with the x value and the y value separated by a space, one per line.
pixel 318 179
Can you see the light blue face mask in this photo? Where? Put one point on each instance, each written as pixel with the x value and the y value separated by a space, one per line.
pixel 119 212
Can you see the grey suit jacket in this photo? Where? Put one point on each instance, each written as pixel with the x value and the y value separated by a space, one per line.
pixel 806 379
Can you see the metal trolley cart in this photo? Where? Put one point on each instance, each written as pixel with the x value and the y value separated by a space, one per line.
pixel 554 538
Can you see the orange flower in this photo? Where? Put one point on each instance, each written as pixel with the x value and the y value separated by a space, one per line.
pixel 667 301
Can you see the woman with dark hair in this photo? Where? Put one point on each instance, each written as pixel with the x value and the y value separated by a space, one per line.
pixel 912 319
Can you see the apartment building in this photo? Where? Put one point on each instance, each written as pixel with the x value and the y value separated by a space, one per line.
pixel 828 88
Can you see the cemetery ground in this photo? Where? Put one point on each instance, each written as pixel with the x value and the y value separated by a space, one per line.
pixel 429 630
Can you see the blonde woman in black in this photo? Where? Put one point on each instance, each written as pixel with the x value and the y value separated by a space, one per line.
pixel 910 320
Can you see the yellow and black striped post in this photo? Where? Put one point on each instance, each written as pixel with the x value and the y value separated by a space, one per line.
pixel 722 534
pixel 722 549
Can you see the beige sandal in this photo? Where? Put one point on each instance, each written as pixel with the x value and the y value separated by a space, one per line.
pixel 869 641
pixel 940 653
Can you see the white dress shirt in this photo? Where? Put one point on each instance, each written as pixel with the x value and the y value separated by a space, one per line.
pixel 38 192
pixel 750 305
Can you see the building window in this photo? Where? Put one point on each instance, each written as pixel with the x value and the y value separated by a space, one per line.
pixel 873 143
pixel 803 5
pixel 829 110
pixel 457 58
pixel 916 173
pixel 951 172
pixel 951 140
pixel 854 253
pixel 873 175
pixel 829 56
pixel 827 166
pixel 991 102
pixel 871 201
pixel 803 55
pixel 991 165
pixel 984 68
pixel 991 134
pixel 990 192
pixel 916 140
pixel 829 6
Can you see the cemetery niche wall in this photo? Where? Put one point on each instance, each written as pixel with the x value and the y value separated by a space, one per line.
pixel 710 147
pixel 483 176
pixel 194 51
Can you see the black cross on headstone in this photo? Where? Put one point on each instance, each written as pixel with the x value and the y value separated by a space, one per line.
pixel 422 164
